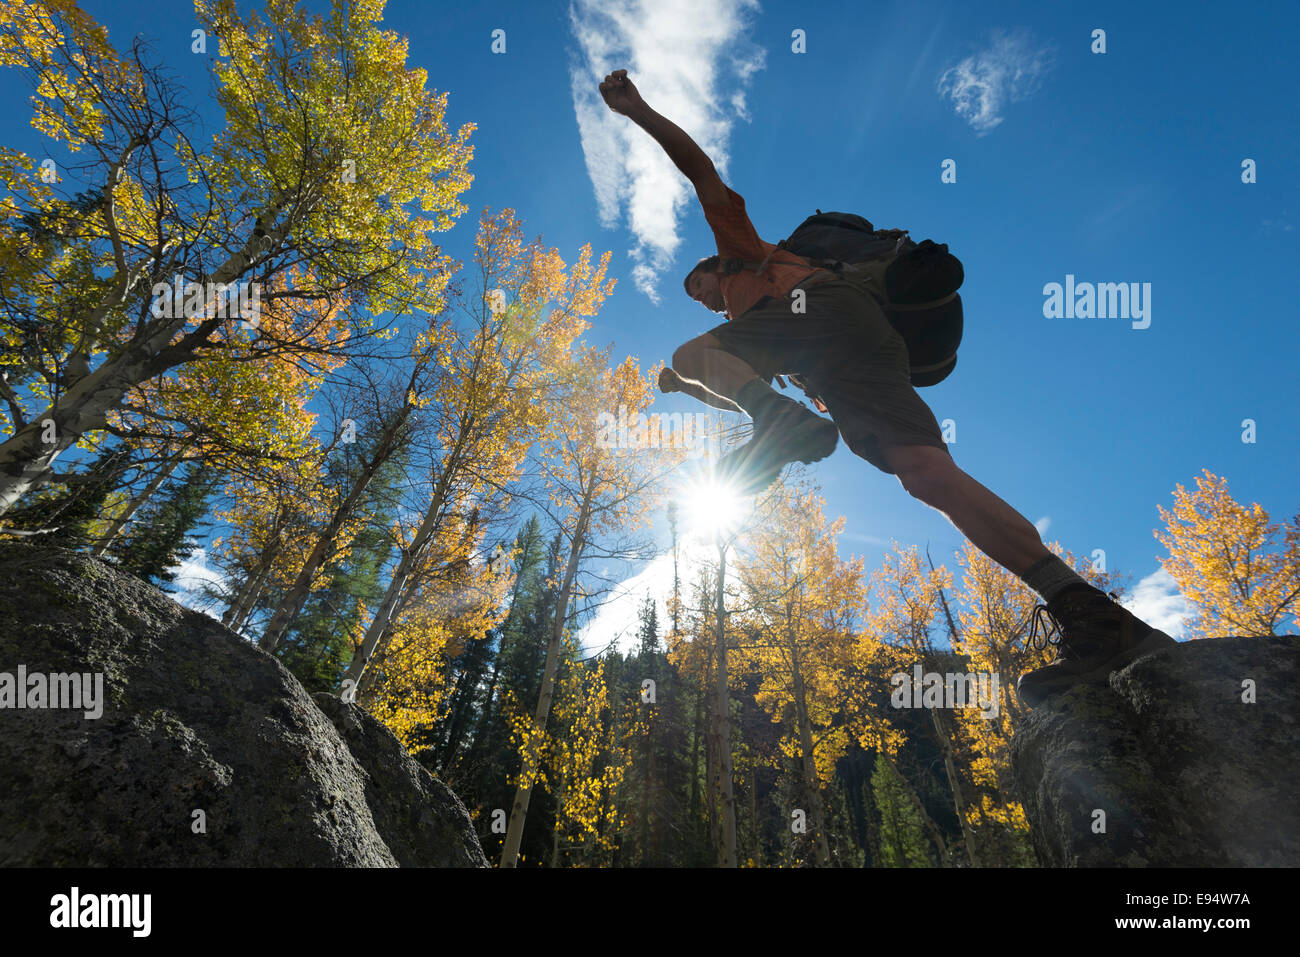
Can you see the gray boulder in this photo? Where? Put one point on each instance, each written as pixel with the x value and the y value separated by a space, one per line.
pixel 194 719
pixel 1185 772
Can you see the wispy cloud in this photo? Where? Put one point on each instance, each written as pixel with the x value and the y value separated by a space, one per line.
pixel 691 60
pixel 191 575
pixel 1157 601
pixel 1043 524
pixel 1009 69
pixel 1281 224
pixel 922 58
pixel 868 539
pixel 1122 203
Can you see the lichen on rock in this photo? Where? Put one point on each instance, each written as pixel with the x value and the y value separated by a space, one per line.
pixel 195 719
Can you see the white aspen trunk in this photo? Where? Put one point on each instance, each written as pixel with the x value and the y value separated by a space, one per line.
pixel 725 785
pixel 405 568
pixel 251 597
pixel 524 793
pixel 247 595
pixel 954 784
pixel 28 455
pixel 809 762
pixel 294 598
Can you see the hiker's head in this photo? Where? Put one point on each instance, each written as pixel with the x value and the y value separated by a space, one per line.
pixel 702 284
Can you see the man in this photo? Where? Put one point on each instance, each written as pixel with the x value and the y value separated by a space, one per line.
pixel 850 357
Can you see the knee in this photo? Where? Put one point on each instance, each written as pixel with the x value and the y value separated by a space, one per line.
pixel 926 473
pixel 688 360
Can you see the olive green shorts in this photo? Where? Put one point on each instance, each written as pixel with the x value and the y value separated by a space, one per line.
pixel 846 353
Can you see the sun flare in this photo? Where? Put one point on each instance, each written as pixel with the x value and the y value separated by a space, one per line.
pixel 713 507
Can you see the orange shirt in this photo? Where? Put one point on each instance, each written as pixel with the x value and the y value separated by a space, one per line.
pixel 737 239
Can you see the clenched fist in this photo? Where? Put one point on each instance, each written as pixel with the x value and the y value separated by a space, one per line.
pixel 621 94
pixel 669 381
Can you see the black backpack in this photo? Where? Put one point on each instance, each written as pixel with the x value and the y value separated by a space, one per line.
pixel 915 283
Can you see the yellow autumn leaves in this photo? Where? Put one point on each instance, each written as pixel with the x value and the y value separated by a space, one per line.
pixel 1240 570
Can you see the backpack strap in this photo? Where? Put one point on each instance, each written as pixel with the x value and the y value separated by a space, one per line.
pixel 732 266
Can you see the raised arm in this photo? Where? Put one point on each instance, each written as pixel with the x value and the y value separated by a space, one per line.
pixel 623 97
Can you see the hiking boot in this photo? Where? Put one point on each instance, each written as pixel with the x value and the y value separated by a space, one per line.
pixel 785 432
pixel 1095 635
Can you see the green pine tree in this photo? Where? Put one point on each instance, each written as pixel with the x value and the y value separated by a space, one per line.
pixel 69 514
pixel 318 645
pixel 902 835
pixel 163 534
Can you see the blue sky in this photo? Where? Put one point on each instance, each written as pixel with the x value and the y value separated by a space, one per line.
pixel 1117 167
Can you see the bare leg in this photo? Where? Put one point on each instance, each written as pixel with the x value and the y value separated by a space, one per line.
pixel 993 526
pixel 670 381
pixel 703 362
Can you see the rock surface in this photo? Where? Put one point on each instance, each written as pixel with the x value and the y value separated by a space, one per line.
pixel 194 719
pixel 1186 772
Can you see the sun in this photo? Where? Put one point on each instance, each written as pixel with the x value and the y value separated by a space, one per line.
pixel 712 507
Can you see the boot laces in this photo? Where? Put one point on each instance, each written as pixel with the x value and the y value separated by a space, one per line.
pixel 1045 627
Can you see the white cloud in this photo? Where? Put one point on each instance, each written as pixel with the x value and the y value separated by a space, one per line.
pixel 1043 524
pixel 1157 601
pixel 191 575
pixel 618 618
pixel 690 60
pixel 982 85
